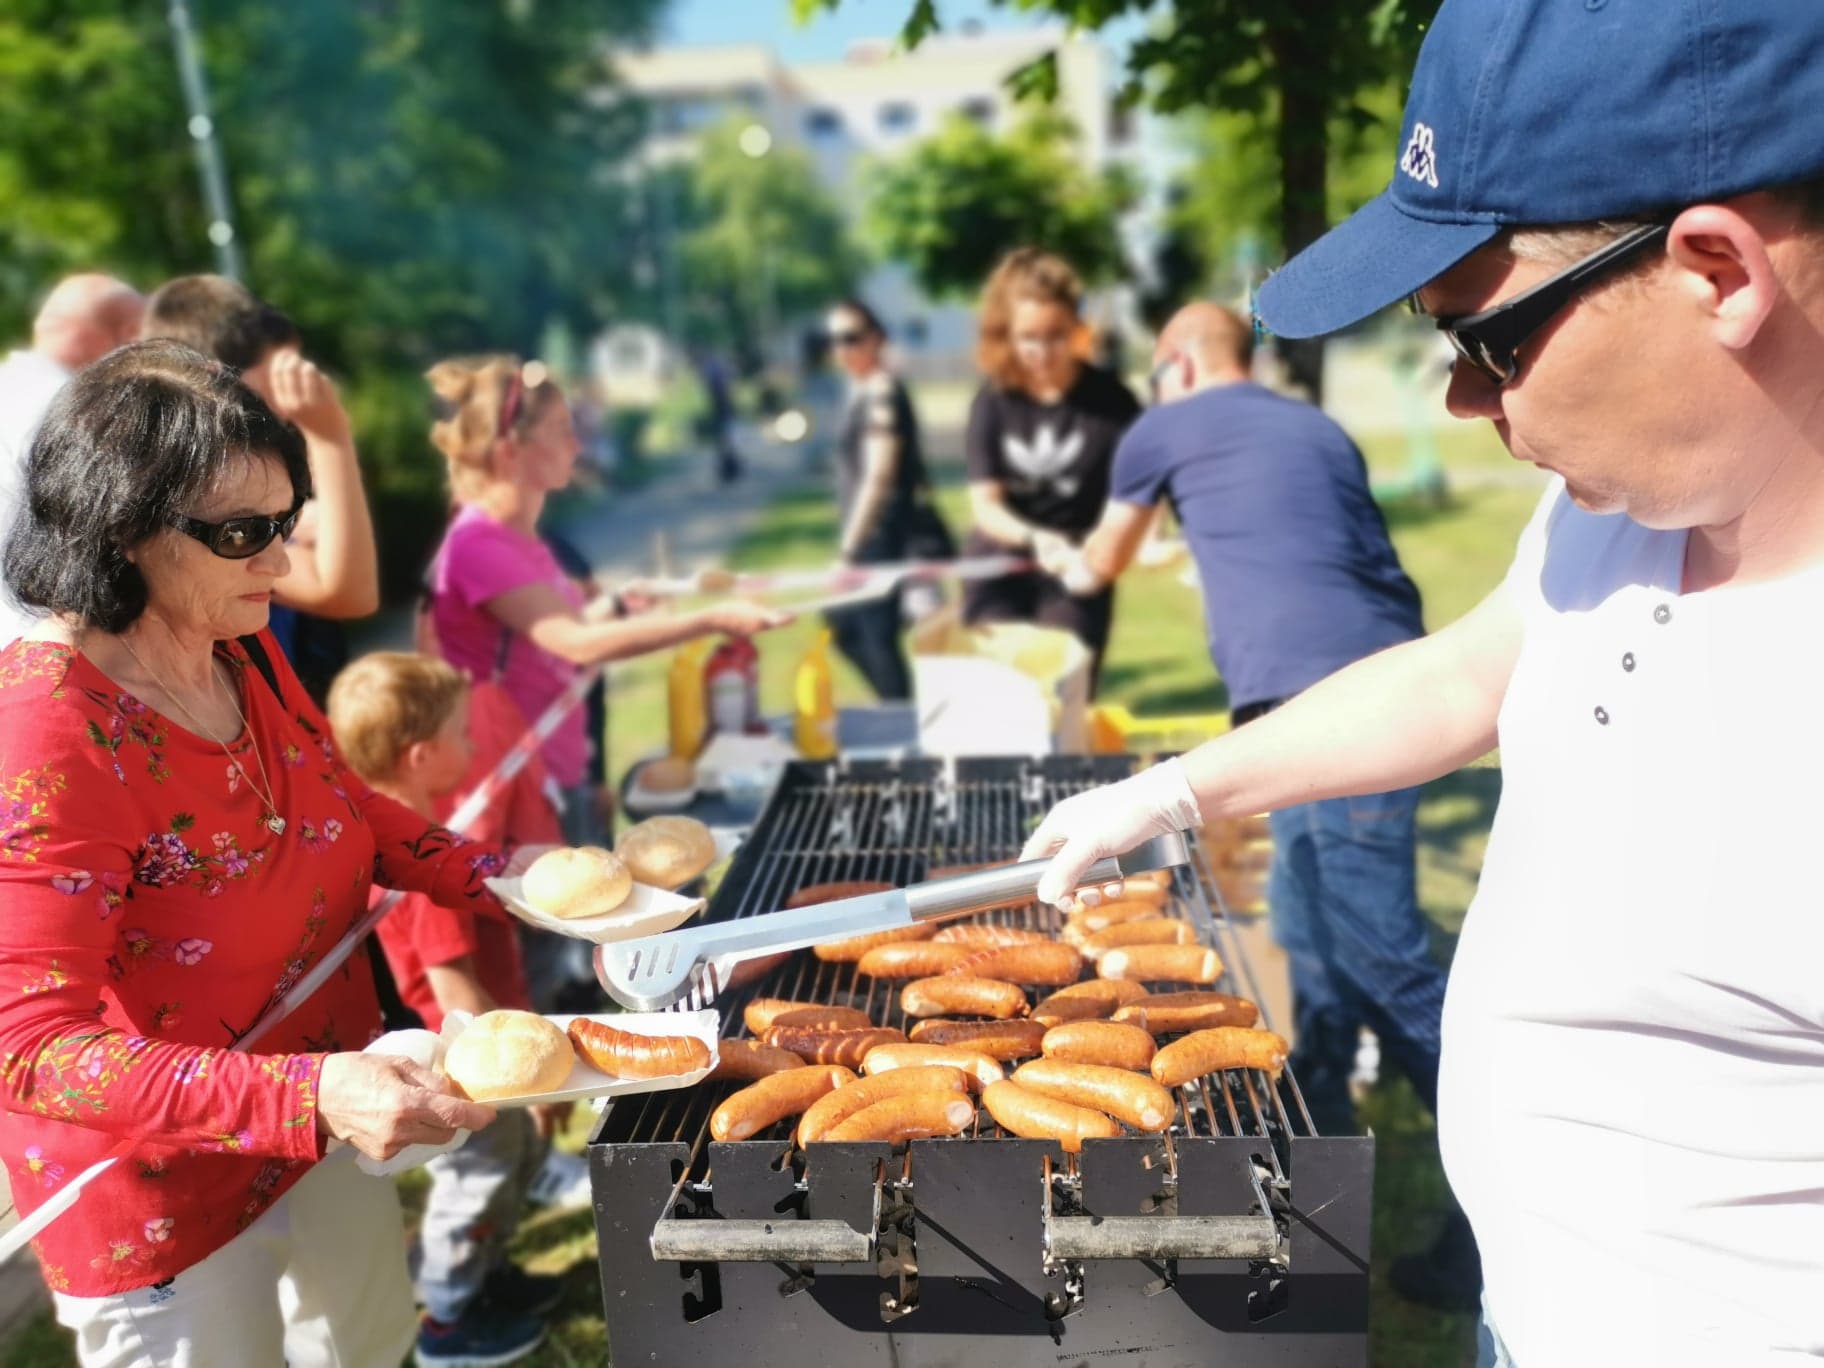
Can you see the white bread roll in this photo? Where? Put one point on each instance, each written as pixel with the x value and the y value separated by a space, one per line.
pixel 666 852
pixel 577 881
pixel 509 1054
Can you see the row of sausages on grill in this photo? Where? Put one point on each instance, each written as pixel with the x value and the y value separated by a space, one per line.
pixel 1100 1065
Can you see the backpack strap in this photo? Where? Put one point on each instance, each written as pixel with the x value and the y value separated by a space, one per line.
pixel 256 652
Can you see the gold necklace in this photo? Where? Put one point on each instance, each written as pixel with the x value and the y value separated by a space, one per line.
pixel 271 821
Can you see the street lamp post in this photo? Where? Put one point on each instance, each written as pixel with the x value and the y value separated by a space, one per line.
pixel 208 153
pixel 756 140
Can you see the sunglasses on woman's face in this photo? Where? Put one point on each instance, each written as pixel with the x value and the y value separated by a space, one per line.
pixel 847 338
pixel 238 538
pixel 1490 340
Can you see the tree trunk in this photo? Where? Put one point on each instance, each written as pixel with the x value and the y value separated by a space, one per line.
pixel 1304 146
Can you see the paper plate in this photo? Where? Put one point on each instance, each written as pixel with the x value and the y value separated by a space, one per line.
pixel 584 1082
pixel 647 912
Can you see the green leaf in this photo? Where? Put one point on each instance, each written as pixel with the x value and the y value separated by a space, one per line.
pixel 182 823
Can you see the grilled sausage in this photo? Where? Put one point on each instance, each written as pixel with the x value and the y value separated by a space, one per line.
pixel 1087 1001
pixel 1021 1111
pixel 978 1068
pixel 751 1059
pixel 1142 931
pixel 1224 1047
pixel 833 1108
pixel 628 1054
pixel 1088 919
pixel 981 937
pixel 1099 1042
pixel 1169 1013
pixel 1051 963
pixel 1130 1097
pixel 855 947
pixel 1161 963
pixel 914 959
pixel 823 1019
pixel 997 1039
pixel 847 1048
pixel 762 1012
pixel 774 1098
pixel 911 1116
pixel 950 994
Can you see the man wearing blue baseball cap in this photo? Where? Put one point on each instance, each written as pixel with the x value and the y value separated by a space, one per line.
pixel 1615 211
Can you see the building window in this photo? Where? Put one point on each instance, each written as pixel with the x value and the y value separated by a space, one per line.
pixel 823 123
pixel 897 117
pixel 979 111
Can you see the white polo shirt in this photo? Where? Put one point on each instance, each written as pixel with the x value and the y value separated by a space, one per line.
pixel 1631 1105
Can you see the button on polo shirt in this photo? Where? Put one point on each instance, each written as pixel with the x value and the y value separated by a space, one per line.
pixel 1631 1104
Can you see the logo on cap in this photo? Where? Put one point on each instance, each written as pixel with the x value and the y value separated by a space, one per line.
pixel 1420 159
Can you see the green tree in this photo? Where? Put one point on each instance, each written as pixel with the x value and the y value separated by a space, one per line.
pixel 409 179
pixel 953 204
pixel 762 242
pixel 1296 66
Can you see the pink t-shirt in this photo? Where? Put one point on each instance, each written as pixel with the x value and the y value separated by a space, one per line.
pixel 480 559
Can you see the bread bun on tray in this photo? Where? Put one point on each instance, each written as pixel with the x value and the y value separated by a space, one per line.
pixel 577 881
pixel 509 1054
pixel 666 852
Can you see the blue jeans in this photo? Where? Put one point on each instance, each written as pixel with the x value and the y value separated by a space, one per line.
pixel 1345 908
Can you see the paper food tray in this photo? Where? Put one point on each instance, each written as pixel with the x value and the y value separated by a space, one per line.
pixel 584 1082
pixel 648 911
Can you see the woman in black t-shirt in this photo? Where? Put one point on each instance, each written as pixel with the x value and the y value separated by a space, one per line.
pixel 883 493
pixel 1041 441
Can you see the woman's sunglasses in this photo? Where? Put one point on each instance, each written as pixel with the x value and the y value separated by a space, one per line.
pixel 1490 341
pixel 238 538
pixel 847 338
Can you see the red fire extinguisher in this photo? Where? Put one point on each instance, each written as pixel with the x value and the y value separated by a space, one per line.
pixel 731 687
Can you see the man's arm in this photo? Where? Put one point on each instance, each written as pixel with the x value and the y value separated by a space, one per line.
pixel 1111 548
pixel 1402 717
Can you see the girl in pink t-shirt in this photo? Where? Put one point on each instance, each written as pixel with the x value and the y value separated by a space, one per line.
pixel 501 607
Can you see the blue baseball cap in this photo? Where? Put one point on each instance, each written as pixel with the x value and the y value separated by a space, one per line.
pixel 1566 111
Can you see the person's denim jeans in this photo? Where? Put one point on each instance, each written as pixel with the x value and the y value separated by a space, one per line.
pixel 1345 908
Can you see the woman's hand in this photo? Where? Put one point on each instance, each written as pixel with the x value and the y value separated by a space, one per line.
pixel 1109 821
pixel 740 618
pixel 380 1104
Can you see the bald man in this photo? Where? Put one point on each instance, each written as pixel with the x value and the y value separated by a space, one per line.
pixel 1299 580
pixel 83 319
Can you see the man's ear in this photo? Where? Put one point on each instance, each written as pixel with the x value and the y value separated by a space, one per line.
pixel 1725 270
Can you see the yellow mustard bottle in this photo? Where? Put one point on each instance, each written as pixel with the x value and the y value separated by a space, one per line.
pixel 814 703
pixel 686 719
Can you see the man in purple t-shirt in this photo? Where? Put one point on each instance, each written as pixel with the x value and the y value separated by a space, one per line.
pixel 1299 580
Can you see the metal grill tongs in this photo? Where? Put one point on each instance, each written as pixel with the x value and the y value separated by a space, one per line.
pixel 655 972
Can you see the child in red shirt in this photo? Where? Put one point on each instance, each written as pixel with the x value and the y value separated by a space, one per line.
pixel 403 722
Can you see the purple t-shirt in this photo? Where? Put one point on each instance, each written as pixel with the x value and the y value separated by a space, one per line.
pixel 480 559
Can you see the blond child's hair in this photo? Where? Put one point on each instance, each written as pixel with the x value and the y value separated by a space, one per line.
pixel 384 703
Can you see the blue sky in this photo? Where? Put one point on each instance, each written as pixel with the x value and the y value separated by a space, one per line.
pixel 699 22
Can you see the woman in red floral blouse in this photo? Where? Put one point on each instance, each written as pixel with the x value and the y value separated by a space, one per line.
pixel 179 844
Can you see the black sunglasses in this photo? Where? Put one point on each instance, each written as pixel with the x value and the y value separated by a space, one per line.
pixel 1490 340
pixel 238 538
pixel 848 339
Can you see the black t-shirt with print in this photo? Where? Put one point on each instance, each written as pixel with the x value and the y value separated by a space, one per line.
pixel 1052 461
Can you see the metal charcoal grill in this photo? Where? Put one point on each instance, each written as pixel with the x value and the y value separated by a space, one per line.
pixel 1237 1237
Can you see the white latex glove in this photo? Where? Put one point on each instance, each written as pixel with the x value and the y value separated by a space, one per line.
pixel 1078 578
pixel 1109 821
pixel 1053 552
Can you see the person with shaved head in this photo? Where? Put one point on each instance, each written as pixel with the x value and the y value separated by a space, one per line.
pixel 1299 580
pixel 83 319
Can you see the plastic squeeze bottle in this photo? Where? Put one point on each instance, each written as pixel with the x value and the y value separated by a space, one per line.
pixel 814 703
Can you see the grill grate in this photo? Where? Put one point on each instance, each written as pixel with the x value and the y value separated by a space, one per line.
pixel 896 822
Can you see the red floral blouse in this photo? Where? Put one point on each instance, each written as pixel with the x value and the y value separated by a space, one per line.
pixel 147 920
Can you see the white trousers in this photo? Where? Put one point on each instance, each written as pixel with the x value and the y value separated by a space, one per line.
pixel 319 1281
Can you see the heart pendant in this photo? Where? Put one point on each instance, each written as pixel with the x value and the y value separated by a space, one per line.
pixel 275 824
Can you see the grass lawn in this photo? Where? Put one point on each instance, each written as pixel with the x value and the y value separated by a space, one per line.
pixel 1157 663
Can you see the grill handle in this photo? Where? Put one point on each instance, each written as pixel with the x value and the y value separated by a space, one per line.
pixel 1009 885
pixel 1163 1237
pixel 792 1242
